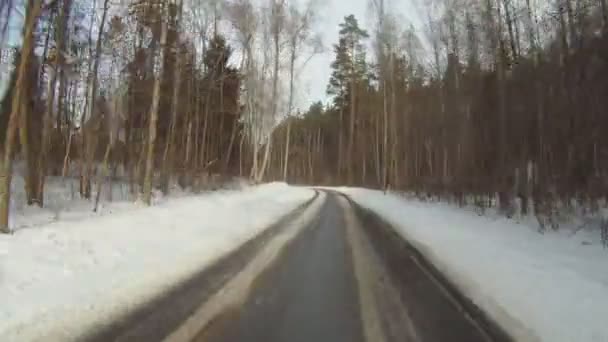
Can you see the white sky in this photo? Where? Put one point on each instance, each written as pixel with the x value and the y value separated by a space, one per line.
pixel 314 77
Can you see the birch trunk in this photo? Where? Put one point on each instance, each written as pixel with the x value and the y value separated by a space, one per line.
pixel 33 11
pixel 85 181
pixel 286 160
pixel 149 173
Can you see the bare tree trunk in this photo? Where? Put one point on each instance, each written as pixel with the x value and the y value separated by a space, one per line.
pixel 267 149
pixel 604 9
pixel 61 100
pixel 571 22
pixel 393 117
pixel 149 173
pixel 54 71
pixel 241 155
pixel 504 195
pixel 385 137
pixel 286 159
pixel 47 118
pixel 168 153
pixel 254 163
pixel 85 181
pixel 26 150
pixel 509 19
pixel 351 130
pixel 102 175
pixel 177 73
pixel 292 63
pixel 311 169
pixel 340 144
pixel 377 151
pixel 197 145
pixel 319 147
pixel 66 157
pixel 46 131
pixel 230 145
pixel 188 143
pixel 203 144
pixel 563 33
pixel 32 12
pixel 277 26
pixel 531 36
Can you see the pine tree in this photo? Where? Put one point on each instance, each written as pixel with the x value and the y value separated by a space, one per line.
pixel 349 69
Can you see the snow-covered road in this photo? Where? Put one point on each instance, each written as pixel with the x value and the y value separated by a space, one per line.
pixel 59 280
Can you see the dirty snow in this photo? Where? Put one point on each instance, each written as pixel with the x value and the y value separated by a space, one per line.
pixel 60 278
pixel 551 287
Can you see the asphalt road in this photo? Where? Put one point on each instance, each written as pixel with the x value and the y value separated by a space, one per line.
pixel 309 295
pixel 157 319
pixel 349 278
pixel 340 275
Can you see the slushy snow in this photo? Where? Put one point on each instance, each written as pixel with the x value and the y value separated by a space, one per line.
pixel 551 287
pixel 61 278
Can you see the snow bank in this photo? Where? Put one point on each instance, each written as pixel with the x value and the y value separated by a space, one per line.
pixel 60 278
pixel 551 287
pixel 62 200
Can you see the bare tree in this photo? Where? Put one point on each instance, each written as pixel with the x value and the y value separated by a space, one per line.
pixel 277 22
pixel 168 154
pixel 298 32
pixel 55 68
pixel 33 10
pixel 153 115
pixel 89 140
pixel 245 21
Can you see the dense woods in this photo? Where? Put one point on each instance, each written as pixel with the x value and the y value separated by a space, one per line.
pixel 508 109
pixel 155 93
pixel 492 102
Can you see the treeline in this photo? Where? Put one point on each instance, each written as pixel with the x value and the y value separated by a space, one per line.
pixel 146 91
pixel 500 99
pixel 512 107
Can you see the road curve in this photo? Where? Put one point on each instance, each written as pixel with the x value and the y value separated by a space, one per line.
pixel 328 272
pixel 346 278
pixel 310 294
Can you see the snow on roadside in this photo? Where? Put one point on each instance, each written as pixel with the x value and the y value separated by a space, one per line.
pixel 551 287
pixel 62 201
pixel 60 278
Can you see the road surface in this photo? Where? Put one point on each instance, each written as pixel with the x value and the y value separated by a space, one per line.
pixel 346 278
pixel 328 272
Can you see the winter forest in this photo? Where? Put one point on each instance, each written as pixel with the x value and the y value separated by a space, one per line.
pixel 491 103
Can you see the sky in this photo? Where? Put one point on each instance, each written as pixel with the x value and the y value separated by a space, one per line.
pixel 315 75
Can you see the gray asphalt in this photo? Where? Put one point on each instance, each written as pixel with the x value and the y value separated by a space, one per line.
pixel 309 295
pixel 155 320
